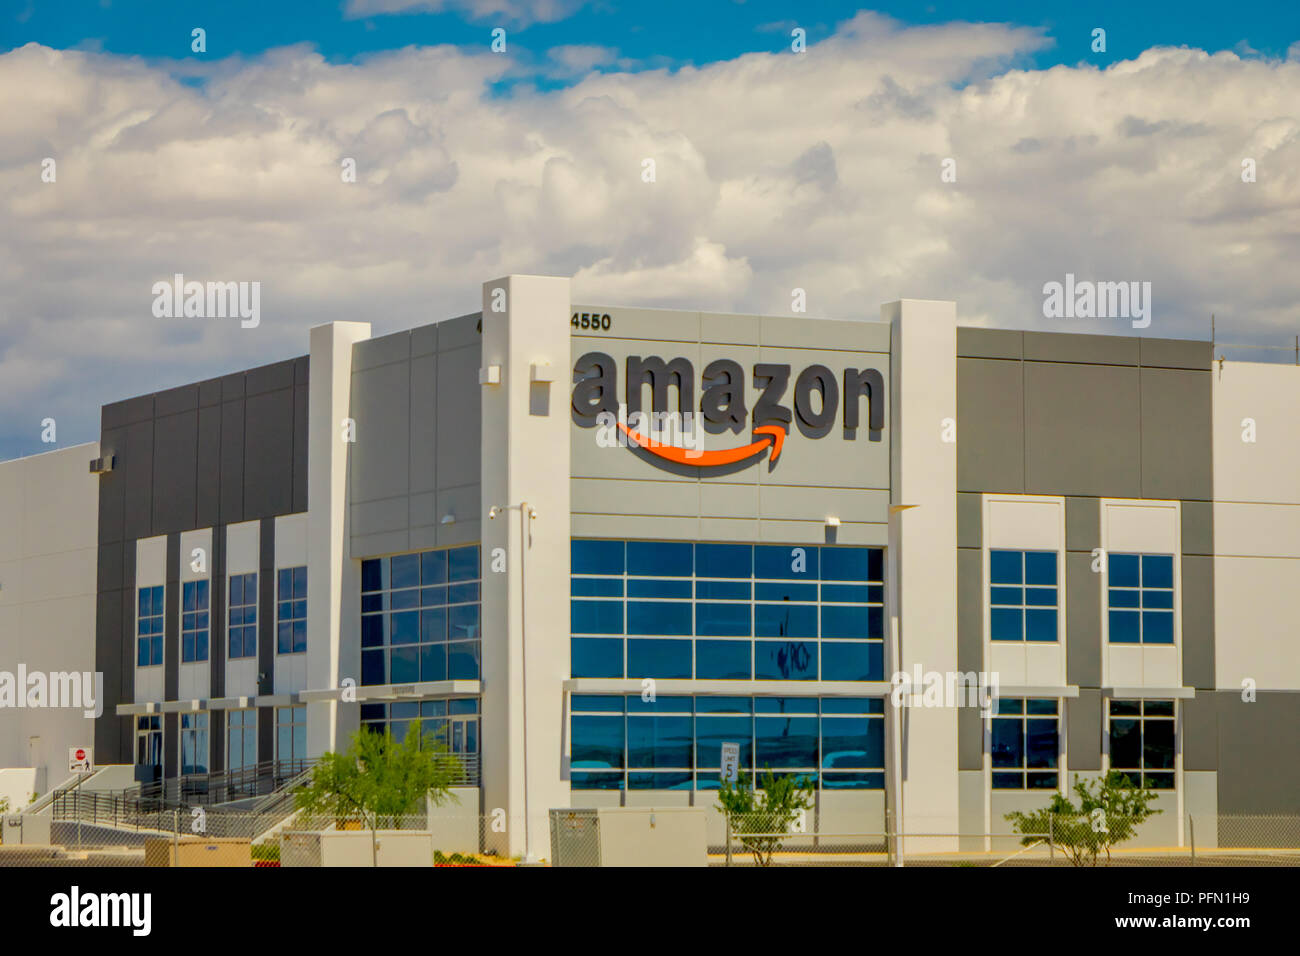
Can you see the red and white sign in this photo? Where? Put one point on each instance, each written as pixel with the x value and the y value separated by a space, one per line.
pixel 81 759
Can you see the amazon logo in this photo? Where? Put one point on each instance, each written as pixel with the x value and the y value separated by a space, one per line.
pixel 674 436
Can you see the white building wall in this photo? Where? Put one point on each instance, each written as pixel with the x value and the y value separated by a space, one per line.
pixel 150 571
pixel 1256 525
pixel 195 679
pixel 49 510
pixel 1142 527
pixel 243 544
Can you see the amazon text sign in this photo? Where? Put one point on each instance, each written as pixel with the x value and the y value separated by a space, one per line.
pixel 821 399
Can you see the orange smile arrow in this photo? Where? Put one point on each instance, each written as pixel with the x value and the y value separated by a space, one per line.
pixel 709 459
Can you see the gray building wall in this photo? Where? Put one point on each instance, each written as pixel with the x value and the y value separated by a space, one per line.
pixel 1087 417
pixel 205 455
pixel 1091 417
pixel 416 459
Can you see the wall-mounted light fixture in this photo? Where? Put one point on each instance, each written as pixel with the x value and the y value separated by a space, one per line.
pixel 448 518
pixel 490 375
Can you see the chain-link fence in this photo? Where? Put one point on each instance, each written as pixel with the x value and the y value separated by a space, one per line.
pixel 763 839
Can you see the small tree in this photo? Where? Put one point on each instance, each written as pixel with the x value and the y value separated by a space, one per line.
pixel 1109 812
pixel 760 822
pixel 379 776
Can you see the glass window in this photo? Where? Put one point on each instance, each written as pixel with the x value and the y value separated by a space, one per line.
pixel 194 621
pixel 643 590
pixel 241 739
pixel 1142 741
pixel 627 743
pixel 421 618
pixel 291 611
pixel 291 733
pixel 241 618
pixel 1140 598
pixel 150 610
pixel 194 743
pixel 1025 744
pixel 1023 596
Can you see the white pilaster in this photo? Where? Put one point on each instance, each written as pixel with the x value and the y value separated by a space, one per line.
pixel 923 385
pixel 525 458
pixel 333 588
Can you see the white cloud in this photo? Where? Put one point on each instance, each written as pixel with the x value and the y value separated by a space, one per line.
pixel 773 171
pixel 518 12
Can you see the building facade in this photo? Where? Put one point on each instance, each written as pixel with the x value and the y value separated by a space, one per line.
pixel 590 545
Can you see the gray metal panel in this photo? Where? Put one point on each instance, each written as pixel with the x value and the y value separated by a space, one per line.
pixel 1081 433
pixel 175 471
pixel 1176 353
pixel 134 473
pixel 1082 524
pixel 381 407
pixel 990 426
pixel 210 392
pixel 265 734
pixel 385 350
pixel 232 387
pixel 112 489
pixel 970 520
pixel 1198 620
pixel 1258 741
pixel 424 424
pixel 217 642
pixel 302 370
pixel 1082 620
pixel 1083 733
pixel 970 739
pixel 232 462
pixel 1200 743
pixel 1177 441
pixel 171 746
pixel 973 342
pixel 459 413
pixel 268 453
pixel 183 399
pixel 376 517
pixel 1072 347
pixel 207 492
pixel 268 378
pixel 301 400
pixel 109 567
pixel 424 340
pixel 970 609
pixel 172 624
pixel 1198 527
pixel 461 332
pixel 266 608
pixel 108 661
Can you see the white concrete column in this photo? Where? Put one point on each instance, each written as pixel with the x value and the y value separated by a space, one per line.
pixel 923 473
pixel 333 585
pixel 525 458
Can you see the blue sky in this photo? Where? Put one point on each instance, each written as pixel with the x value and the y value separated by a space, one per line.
pixel 665 32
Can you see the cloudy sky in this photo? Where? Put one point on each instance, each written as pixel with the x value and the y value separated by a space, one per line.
pixel 774 169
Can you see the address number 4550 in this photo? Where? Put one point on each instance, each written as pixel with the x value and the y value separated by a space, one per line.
pixel 590 320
